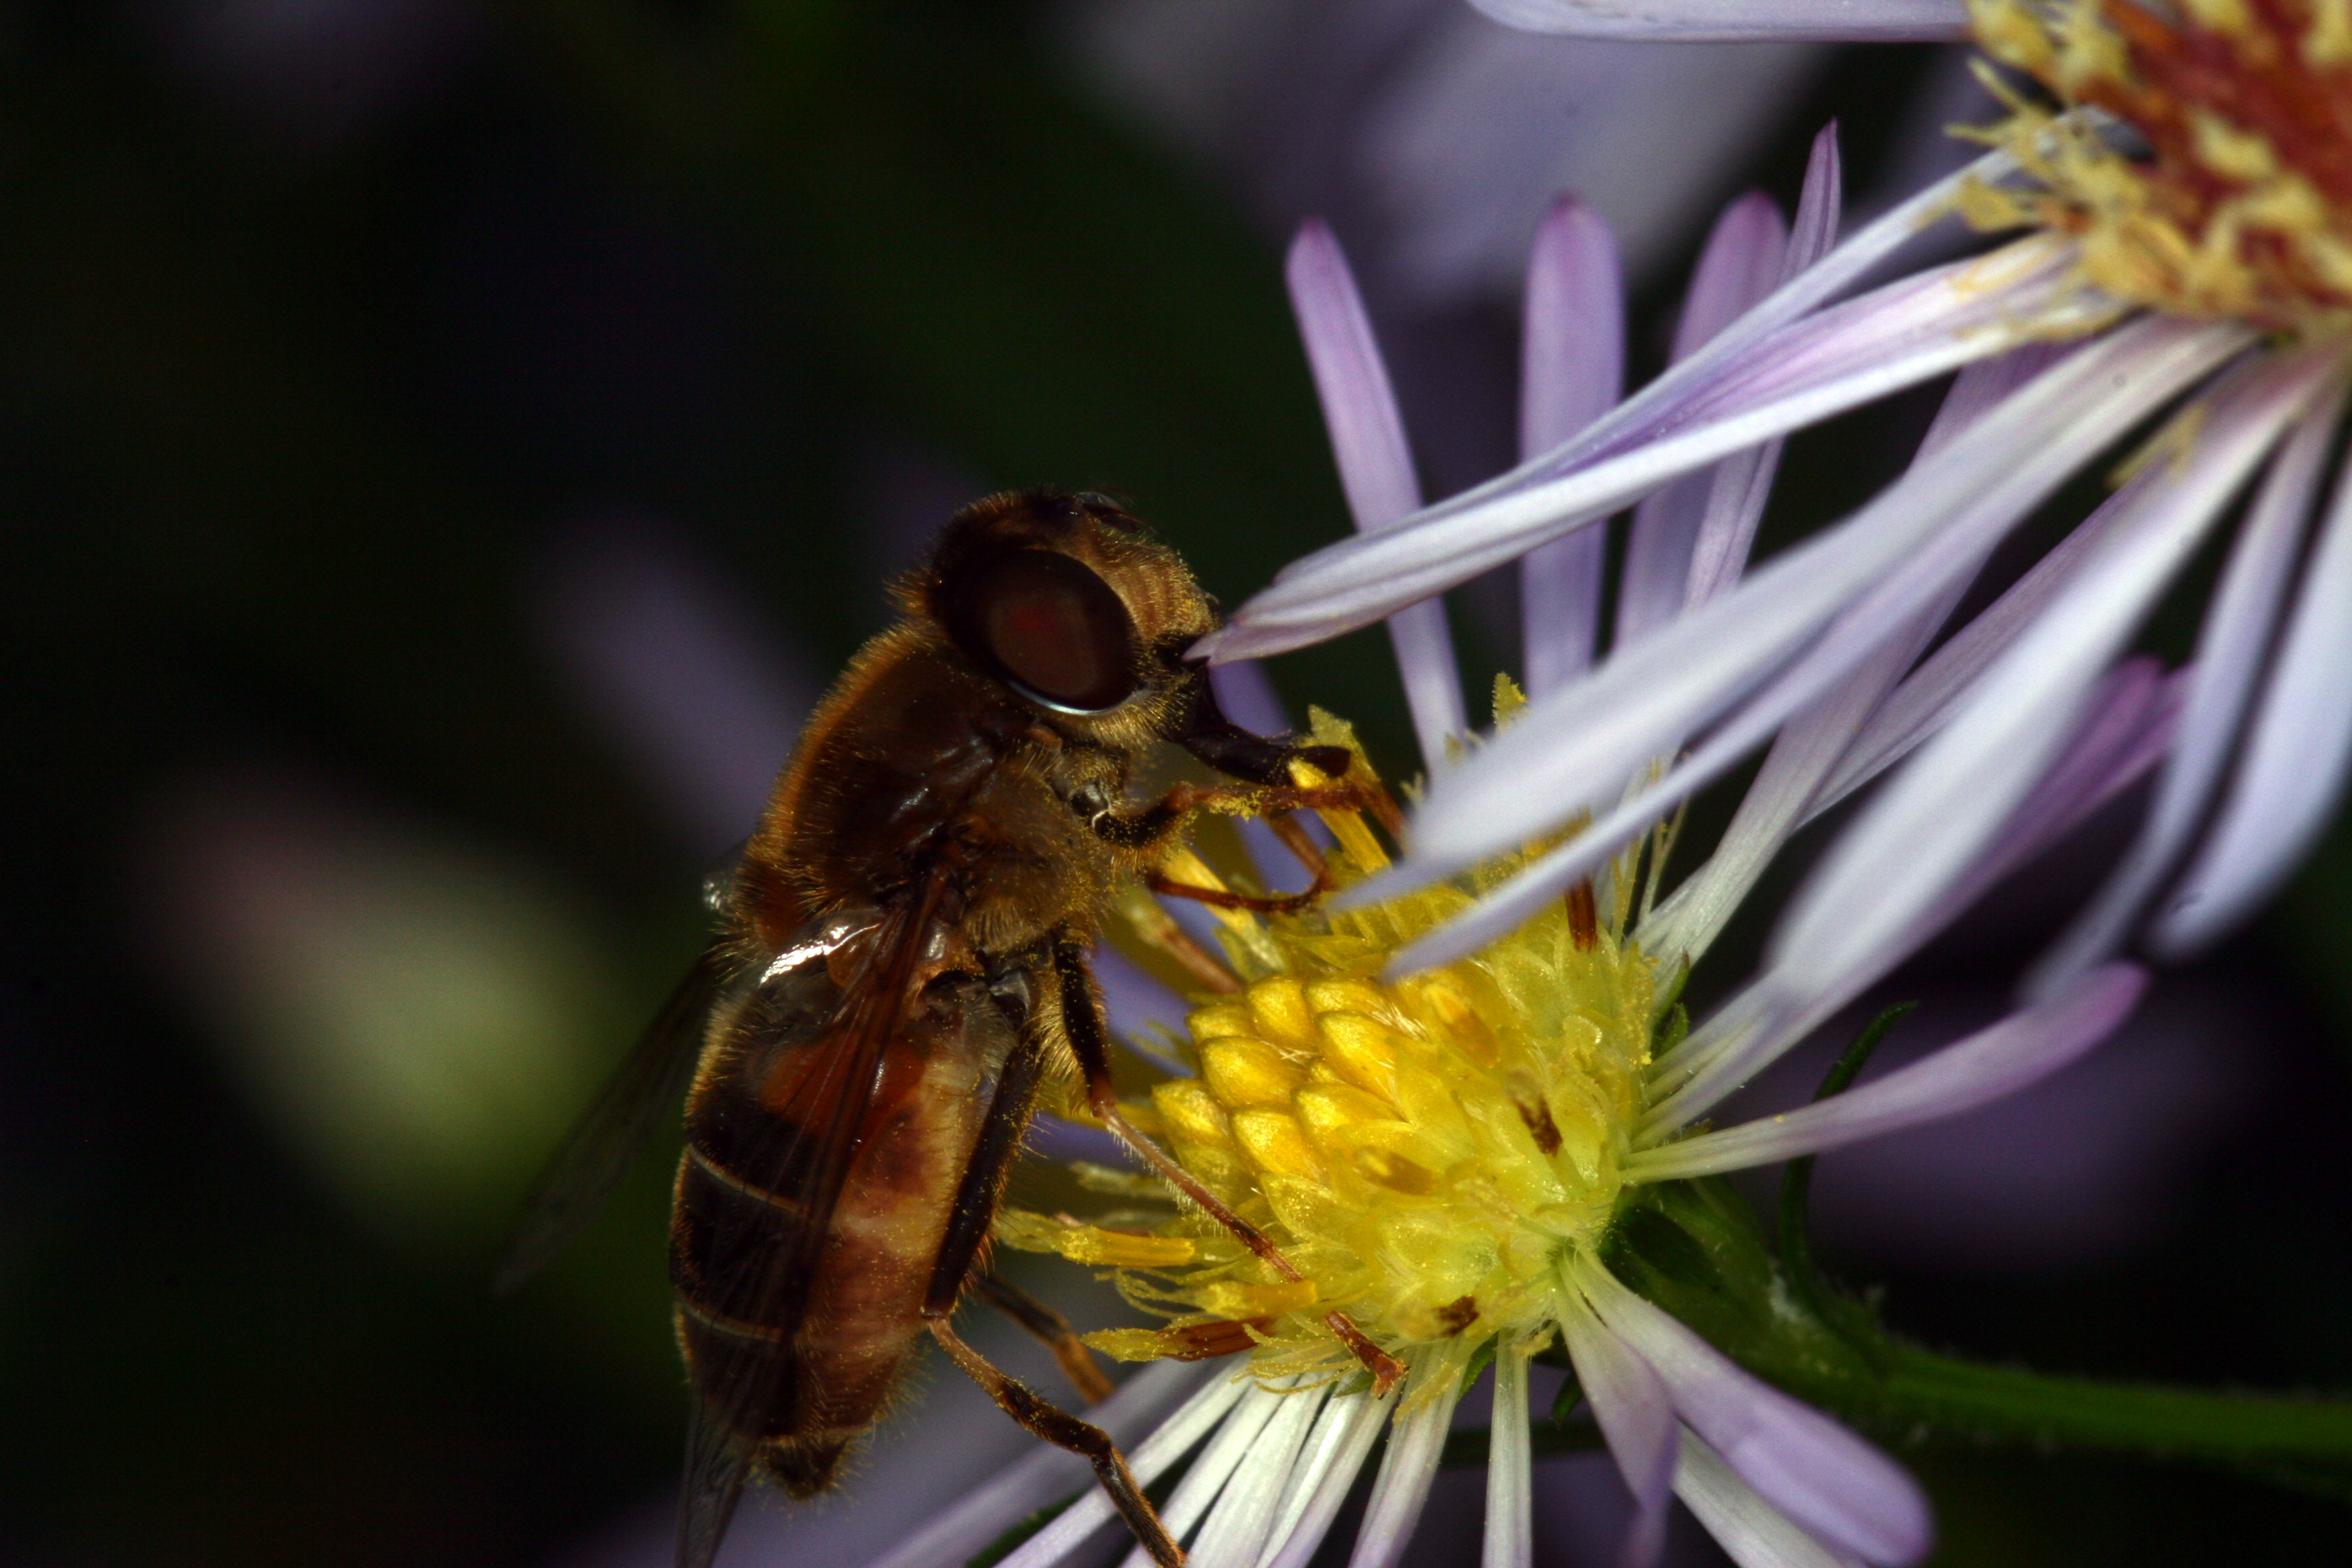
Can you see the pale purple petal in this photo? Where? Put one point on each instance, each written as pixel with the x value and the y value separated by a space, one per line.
pixel 2298 751
pixel 1636 1415
pixel 1744 257
pixel 1169 1442
pixel 1880 568
pixel 2237 637
pixel 1236 1529
pixel 1336 1451
pixel 1046 1475
pixel 1818 743
pixel 2131 720
pixel 1572 358
pixel 1573 369
pixel 1139 1007
pixel 1927 697
pixel 1731 21
pixel 1921 833
pixel 1407 1470
pixel 1820 201
pixel 1375 465
pixel 1359 409
pixel 1995 1061
pixel 1744 483
pixel 1850 354
pixel 1752 1532
pixel 1730 365
pixel 678 668
pixel 1809 746
pixel 1509 1538
pixel 1981 387
pixel 1823 1477
pixel 1205 1481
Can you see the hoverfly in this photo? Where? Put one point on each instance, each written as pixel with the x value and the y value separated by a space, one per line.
pixel 902 961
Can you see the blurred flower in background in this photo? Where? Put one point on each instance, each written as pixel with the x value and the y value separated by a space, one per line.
pixel 416 1013
pixel 315 72
pixel 1434 137
pixel 2268 732
pixel 1433 141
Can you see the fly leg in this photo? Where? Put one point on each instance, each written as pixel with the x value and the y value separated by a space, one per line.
pixel 976 1199
pixel 1051 1328
pixel 1292 838
pixel 1226 899
pixel 1089 1038
pixel 1159 929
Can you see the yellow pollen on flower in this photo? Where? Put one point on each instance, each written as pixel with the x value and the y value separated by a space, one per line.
pixel 2238 204
pixel 1426 1152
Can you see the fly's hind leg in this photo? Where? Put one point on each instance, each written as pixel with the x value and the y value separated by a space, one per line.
pixel 1050 1328
pixel 1089 1038
pixel 1065 1430
pixel 967 1235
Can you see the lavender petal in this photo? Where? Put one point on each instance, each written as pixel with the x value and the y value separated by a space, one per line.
pixel 1636 1415
pixel 1509 1538
pixel 2230 656
pixel 2132 715
pixel 1659 406
pixel 1743 483
pixel 2297 752
pixel 1731 21
pixel 1817 745
pixel 1573 369
pixel 1927 529
pixel 1752 1532
pixel 1376 469
pixel 1169 1442
pixel 1407 1470
pixel 1336 1451
pixel 1745 256
pixel 1827 1480
pixel 1237 1528
pixel 1992 1062
pixel 1920 835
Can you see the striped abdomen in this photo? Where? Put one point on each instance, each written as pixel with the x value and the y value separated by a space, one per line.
pixel 795 1336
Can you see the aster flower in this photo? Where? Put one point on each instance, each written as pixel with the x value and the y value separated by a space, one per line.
pixel 1448 1156
pixel 2189 255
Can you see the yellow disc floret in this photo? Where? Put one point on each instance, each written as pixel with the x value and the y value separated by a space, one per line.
pixel 1424 1150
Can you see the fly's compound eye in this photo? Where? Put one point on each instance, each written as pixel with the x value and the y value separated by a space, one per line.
pixel 1054 629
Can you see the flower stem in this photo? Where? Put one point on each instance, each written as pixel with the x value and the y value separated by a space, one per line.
pixel 2302 1442
pixel 1695 1248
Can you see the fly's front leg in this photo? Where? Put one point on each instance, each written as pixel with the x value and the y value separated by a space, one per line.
pixel 1089 1037
pixel 977 1196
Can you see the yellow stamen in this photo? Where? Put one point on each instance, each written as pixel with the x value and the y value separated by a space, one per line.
pixel 2239 208
pixel 1426 1152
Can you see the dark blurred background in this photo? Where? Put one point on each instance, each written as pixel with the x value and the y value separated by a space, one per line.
pixel 445 446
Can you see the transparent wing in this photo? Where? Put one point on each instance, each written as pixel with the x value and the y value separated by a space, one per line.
pixel 584 1170
pixel 801 1075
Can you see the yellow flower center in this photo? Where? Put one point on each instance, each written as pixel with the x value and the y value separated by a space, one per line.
pixel 1424 1152
pixel 2239 206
